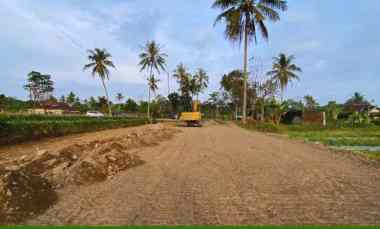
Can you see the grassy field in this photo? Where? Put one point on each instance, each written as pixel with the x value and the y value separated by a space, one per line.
pixel 364 141
pixel 21 128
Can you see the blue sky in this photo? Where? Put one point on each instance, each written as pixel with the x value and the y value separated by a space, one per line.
pixel 335 42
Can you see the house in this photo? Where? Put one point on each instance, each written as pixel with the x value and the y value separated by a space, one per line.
pixel 357 107
pixel 53 109
pixel 374 112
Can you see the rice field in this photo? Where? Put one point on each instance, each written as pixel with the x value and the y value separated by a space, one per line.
pixel 359 140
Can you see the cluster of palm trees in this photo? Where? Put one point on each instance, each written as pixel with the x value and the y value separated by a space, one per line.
pixel 191 84
pixel 244 20
pixel 153 61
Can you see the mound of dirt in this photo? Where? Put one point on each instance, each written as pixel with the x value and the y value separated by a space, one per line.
pixel 23 195
pixel 27 184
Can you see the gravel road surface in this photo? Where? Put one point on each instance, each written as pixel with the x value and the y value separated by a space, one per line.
pixel 224 175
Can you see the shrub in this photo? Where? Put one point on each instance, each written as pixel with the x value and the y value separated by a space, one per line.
pixel 376 122
pixel 305 127
pixel 15 129
pixel 263 127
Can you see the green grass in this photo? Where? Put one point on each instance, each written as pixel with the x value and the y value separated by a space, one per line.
pixel 21 128
pixel 262 127
pixel 351 139
pixel 374 156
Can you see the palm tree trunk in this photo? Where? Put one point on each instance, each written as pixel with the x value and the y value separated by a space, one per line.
pixel 282 96
pixel 236 111
pixel 263 110
pixel 148 110
pixel 245 72
pixel 150 75
pixel 108 99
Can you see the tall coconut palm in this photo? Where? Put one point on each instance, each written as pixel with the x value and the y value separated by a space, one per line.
pixel 201 79
pixel 100 60
pixel 184 79
pixel 153 84
pixel 119 97
pixel 284 71
pixel 152 59
pixel 244 18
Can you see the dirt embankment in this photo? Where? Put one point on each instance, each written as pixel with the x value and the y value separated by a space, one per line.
pixel 28 184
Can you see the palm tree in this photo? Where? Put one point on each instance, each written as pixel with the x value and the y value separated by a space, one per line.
pixel 153 84
pixel 119 97
pixel 243 19
pixel 100 60
pixel 184 79
pixel 310 103
pixel 152 59
pixel 201 81
pixel 284 71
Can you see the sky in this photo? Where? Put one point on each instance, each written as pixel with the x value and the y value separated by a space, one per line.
pixel 336 43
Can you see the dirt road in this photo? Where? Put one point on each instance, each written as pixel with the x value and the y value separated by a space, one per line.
pixel 221 174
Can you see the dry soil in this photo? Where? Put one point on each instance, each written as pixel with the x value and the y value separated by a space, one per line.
pixel 224 175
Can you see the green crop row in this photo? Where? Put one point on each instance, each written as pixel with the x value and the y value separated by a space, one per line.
pixel 20 130
pixel 51 118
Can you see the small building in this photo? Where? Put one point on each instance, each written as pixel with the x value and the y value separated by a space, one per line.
pixel 53 109
pixel 36 111
pixel 374 112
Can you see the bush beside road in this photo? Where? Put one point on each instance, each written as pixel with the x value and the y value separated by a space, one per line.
pixel 21 128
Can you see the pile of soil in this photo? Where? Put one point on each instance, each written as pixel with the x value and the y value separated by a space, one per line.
pixel 23 195
pixel 28 184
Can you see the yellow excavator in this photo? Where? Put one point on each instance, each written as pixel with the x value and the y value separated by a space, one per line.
pixel 192 118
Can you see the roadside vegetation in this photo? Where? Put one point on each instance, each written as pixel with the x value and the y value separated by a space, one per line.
pixel 20 128
pixel 360 140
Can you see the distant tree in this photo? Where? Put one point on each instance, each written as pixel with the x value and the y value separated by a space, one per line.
pixel 295 105
pixel 201 81
pixel 184 80
pixel 77 104
pixel 152 59
pixel 100 61
pixel 39 86
pixel 358 103
pixel 51 100
pixel 131 105
pixel 3 102
pixel 284 71
pixel 119 97
pixel 62 99
pixel 162 105
pixel 214 100
pixel 186 103
pixel 12 104
pixel 233 83
pixel 103 104
pixel 70 99
pixel 276 110
pixel 310 103
pixel 333 110
pixel 357 98
pixel 92 103
pixel 266 90
pixel 143 106
pixel 175 101
pixel 153 84
pixel 244 19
